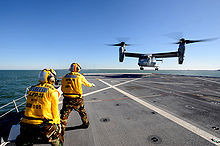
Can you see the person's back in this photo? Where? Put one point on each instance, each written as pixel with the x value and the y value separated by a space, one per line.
pixel 41 121
pixel 72 84
pixel 42 103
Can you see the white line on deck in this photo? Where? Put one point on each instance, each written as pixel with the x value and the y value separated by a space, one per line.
pixel 109 87
pixel 171 117
pixel 105 88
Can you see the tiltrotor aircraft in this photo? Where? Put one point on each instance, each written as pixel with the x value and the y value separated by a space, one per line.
pixel 150 60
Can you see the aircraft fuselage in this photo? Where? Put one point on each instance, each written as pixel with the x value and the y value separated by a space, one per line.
pixel 147 62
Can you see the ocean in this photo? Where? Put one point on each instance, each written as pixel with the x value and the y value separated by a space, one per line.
pixel 13 83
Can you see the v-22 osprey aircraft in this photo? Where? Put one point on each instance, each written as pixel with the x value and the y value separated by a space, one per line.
pixel 150 60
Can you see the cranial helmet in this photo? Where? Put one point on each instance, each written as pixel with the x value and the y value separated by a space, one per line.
pixel 75 67
pixel 47 75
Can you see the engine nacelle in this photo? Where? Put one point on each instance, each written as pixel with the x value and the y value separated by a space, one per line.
pixel 180 58
pixel 121 54
pixel 181 52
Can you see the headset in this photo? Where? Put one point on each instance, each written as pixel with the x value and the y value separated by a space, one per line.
pixel 75 67
pixel 47 75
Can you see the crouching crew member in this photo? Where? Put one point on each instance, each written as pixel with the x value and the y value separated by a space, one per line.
pixel 71 86
pixel 41 121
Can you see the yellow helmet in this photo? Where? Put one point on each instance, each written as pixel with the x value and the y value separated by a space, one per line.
pixel 75 67
pixel 47 75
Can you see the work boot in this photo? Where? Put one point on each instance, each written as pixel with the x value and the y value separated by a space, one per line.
pixel 85 125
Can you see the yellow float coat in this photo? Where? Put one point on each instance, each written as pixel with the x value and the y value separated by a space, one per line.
pixel 72 84
pixel 42 103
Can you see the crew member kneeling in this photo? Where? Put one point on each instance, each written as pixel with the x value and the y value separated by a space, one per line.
pixel 41 121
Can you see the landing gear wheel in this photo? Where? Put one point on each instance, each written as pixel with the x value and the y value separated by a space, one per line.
pixel 156 68
pixel 141 68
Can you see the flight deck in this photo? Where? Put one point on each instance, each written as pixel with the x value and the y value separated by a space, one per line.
pixel 146 110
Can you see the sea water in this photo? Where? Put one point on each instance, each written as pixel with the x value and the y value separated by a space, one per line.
pixel 13 83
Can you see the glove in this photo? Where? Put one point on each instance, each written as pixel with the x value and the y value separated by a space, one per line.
pixel 93 85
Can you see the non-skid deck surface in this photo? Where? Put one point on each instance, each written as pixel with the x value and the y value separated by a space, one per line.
pixel 148 110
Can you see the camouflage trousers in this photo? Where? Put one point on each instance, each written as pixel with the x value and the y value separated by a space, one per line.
pixel 73 103
pixel 38 134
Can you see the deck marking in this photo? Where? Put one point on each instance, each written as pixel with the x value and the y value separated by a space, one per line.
pixel 93 92
pixel 108 87
pixel 171 117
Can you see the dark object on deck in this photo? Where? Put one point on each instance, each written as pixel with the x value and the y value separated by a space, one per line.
pixel 7 121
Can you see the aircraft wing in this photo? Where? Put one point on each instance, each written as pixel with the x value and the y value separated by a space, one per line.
pixel 165 55
pixel 133 54
pixel 156 55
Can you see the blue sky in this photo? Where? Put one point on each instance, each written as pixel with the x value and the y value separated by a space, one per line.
pixel 35 34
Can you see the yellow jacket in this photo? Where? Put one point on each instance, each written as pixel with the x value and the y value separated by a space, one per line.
pixel 42 103
pixel 71 84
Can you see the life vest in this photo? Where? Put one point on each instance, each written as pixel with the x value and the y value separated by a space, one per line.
pixel 71 85
pixel 42 105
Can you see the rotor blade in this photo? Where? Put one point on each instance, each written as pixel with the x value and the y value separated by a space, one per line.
pixel 204 40
pixel 176 43
pixel 119 44
pixel 112 44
